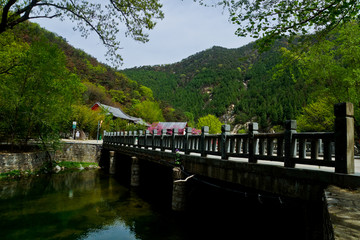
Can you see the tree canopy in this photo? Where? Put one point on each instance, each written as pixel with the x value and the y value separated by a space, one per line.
pixel 277 18
pixel 105 19
pixel 331 68
pixel 212 122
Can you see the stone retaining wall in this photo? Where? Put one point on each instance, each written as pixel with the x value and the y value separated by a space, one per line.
pixel 79 152
pixel 31 161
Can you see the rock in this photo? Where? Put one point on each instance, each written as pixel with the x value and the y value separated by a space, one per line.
pixel 56 169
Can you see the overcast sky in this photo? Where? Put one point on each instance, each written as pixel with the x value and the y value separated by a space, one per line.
pixel 186 29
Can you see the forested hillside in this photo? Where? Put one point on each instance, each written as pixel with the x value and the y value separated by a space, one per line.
pixel 46 84
pixel 236 85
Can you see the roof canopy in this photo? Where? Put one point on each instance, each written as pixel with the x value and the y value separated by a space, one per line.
pixel 173 125
pixel 118 113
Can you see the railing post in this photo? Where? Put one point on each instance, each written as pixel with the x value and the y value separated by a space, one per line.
pixel 117 138
pixel 253 129
pixel 162 141
pixel 186 140
pixel 130 139
pixel 225 130
pixel 204 131
pixel 105 137
pixel 175 132
pixel 140 143
pixel 135 138
pixel 153 139
pixel 290 150
pixel 344 138
pixel 146 137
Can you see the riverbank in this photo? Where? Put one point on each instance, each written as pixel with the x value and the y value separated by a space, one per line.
pixel 20 164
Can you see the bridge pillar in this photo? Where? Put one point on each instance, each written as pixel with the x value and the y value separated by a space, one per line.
pixel 112 168
pixel 135 172
pixel 179 191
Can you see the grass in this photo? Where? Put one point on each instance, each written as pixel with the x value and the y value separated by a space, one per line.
pixel 15 174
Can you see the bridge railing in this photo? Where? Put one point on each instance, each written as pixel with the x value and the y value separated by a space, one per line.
pixel 289 147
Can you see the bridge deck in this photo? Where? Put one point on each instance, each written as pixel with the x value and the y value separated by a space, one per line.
pixel 267 176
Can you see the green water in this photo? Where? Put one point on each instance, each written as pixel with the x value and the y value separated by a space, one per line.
pixel 77 205
pixel 93 205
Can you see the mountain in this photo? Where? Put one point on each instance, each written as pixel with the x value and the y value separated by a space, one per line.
pixel 236 85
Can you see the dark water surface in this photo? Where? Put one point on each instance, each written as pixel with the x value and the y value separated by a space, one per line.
pixel 93 205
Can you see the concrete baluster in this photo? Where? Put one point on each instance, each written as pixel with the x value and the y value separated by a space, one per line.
pixel 203 145
pixel 290 143
pixel 253 129
pixel 186 140
pixel 162 140
pixel 154 139
pixel 135 140
pixel 225 130
pixel 140 139
pixel 146 138
pixel 175 132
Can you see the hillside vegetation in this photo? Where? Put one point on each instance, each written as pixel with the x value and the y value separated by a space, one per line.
pixel 236 85
pixel 289 81
pixel 46 84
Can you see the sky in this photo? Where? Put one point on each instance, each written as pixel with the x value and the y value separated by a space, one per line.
pixel 187 28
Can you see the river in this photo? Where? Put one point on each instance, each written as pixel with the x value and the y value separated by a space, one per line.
pixel 93 205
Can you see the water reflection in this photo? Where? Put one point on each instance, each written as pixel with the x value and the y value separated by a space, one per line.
pixel 92 205
pixel 68 206
pixel 118 229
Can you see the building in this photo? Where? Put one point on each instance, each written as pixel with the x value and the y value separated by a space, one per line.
pixel 169 126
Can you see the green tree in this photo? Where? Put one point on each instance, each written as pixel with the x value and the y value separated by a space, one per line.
pixel 212 122
pixel 104 19
pixel 149 111
pixel 331 68
pixel 117 95
pixel 11 51
pixel 36 95
pixel 147 93
pixel 317 117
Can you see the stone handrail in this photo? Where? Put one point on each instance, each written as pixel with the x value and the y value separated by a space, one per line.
pixel 289 147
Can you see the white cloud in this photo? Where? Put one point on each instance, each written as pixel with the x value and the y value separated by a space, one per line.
pixel 186 29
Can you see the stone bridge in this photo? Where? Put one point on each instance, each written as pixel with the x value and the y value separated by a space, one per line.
pixel 288 164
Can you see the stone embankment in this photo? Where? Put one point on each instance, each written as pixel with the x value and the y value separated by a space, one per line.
pixel 79 151
pixel 72 151
pixel 25 162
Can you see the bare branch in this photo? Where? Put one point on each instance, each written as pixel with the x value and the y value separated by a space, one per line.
pixel 184 180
